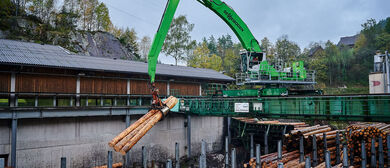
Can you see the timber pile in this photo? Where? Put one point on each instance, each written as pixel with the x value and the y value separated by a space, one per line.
pixel 353 136
pixel 115 165
pixel 131 135
pixel 364 131
pixel 291 141
pixel 273 122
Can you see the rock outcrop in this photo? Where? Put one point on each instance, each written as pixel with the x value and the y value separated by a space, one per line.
pixel 97 44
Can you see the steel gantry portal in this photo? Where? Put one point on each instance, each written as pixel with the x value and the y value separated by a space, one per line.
pixel 334 107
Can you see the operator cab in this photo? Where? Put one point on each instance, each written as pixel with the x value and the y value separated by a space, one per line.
pixel 251 60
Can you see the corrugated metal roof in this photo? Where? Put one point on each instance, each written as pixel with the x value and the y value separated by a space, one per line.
pixel 25 53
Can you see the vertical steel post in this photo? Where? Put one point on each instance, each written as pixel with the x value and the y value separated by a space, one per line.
pixel 203 153
pixel 280 165
pixel 373 153
pixel 127 162
pixel 315 159
pixel 301 150
pixel 169 163
pixel 325 144
pixel 307 162
pixel 2 163
pixel 388 150
pixel 345 156
pixel 380 150
pixel 258 156
pixel 351 159
pixel 280 150
pixel 364 156
pixel 327 159
pixel 109 159
pixel 36 101
pixel 188 136
pixel 387 71
pixel 266 140
pixel 63 162
pixel 233 164
pixel 177 155
pixel 13 140
pixel 229 120
pixel 226 151
pixel 251 151
pixel 337 148
pixel 144 159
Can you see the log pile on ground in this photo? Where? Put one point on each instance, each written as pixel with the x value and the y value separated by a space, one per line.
pixel 131 135
pixel 357 133
pixel 273 122
pixel 352 136
pixel 115 165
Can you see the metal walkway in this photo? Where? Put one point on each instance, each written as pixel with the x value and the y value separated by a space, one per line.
pixel 336 107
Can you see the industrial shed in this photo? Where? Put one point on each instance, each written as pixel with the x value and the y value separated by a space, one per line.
pixel 53 69
pixel 60 104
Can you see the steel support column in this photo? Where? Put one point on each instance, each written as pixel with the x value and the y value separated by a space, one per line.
pixel 127 162
pixel 177 155
pixel 13 140
pixel 251 150
pixel 109 159
pixel 229 121
pixel 188 136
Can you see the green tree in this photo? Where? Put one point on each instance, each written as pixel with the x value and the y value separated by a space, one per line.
pixel 231 62
pixel 268 48
pixel 212 45
pixel 7 9
pixel 178 41
pixel 102 17
pixel 319 64
pixel 65 20
pixel 387 27
pixel 382 42
pixel 286 50
pixel 129 39
pixel 202 58
pixel 199 57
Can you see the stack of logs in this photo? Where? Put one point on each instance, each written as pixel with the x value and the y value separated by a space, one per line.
pixel 296 125
pixel 357 133
pixel 131 135
pixel 352 136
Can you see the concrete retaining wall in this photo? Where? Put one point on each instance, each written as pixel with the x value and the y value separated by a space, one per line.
pixel 83 141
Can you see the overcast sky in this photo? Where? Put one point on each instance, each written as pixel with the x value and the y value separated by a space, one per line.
pixel 304 21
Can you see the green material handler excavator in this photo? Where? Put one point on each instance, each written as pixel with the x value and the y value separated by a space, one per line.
pixel 254 66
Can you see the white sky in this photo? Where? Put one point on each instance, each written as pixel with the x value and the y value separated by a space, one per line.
pixel 304 21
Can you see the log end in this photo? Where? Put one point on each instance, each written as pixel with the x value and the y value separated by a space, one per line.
pixel 117 148
pixel 111 144
pixel 122 152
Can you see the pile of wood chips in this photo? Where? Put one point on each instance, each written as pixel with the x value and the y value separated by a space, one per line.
pixel 131 135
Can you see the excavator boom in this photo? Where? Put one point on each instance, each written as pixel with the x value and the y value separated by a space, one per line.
pixel 220 8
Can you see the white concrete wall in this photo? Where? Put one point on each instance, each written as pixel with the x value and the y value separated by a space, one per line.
pixel 83 141
pixel 377 83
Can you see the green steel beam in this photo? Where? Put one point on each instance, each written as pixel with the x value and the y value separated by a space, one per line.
pixel 343 108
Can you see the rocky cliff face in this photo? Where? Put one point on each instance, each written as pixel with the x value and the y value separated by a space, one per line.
pixel 97 44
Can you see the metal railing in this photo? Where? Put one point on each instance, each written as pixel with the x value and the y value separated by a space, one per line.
pixel 275 77
pixel 60 100
pixel 352 107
